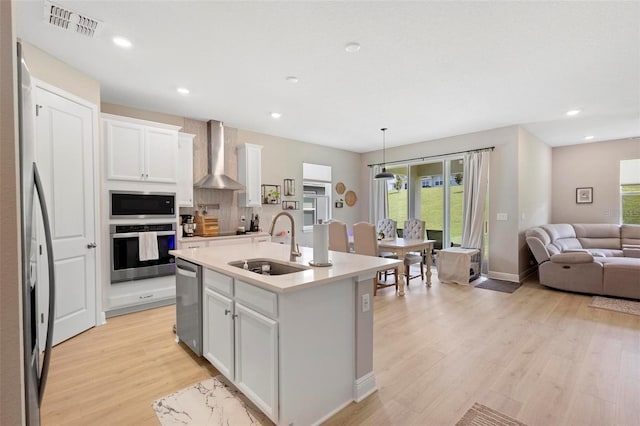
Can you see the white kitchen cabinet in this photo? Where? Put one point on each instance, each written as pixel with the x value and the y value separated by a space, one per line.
pixel 139 150
pixel 184 194
pixel 256 358
pixel 250 174
pixel 217 330
pixel 241 342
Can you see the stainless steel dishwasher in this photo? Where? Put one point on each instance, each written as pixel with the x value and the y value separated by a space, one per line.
pixel 189 304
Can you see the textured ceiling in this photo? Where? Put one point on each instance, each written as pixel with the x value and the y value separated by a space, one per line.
pixel 426 70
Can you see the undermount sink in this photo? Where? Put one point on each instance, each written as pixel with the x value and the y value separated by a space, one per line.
pixel 268 266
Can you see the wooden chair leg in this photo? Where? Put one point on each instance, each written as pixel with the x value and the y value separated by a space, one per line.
pixel 422 271
pixel 375 284
pixel 395 275
pixel 407 273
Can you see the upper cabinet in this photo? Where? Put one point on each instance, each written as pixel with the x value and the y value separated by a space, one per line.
pixel 139 150
pixel 185 170
pixel 250 174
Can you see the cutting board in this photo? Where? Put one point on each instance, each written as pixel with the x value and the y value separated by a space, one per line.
pixel 206 226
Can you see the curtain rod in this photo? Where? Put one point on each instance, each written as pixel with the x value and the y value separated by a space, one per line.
pixel 489 148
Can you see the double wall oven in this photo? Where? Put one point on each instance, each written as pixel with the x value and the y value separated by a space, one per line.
pixel 141 211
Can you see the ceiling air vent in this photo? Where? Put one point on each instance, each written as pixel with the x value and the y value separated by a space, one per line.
pixel 70 20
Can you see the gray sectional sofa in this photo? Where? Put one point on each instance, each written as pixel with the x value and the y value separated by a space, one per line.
pixel 594 258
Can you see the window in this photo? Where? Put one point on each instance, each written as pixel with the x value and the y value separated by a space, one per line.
pixel 431 191
pixel 630 191
pixel 397 194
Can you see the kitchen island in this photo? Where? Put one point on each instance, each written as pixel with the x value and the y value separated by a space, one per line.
pixel 299 345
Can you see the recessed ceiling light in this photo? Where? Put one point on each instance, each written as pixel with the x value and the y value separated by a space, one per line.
pixel 573 112
pixel 588 138
pixel 276 115
pixel 122 42
pixel 183 90
pixel 352 47
pixel 292 79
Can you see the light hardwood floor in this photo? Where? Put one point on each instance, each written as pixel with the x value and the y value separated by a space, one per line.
pixel 541 356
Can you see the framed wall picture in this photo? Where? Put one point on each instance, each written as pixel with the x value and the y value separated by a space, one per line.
pixel 584 195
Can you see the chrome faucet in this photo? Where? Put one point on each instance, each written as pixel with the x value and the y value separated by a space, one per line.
pixel 295 250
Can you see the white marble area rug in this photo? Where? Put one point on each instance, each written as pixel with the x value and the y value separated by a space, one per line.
pixel 619 305
pixel 211 402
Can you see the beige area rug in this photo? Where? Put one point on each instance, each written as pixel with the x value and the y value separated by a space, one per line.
pixel 480 415
pixel 619 305
pixel 211 402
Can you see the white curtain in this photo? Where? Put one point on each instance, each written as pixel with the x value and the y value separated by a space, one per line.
pixel 475 180
pixel 379 201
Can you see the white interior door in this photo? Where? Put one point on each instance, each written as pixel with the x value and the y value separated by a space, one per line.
pixel 65 157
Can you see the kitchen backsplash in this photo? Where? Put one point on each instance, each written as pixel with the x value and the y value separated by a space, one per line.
pixel 229 212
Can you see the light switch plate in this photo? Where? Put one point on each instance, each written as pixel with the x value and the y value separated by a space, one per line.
pixel 502 216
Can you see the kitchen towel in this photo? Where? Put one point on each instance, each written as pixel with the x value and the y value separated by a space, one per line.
pixel 148 246
pixel 321 244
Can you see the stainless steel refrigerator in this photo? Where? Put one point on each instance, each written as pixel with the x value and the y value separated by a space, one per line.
pixel 31 199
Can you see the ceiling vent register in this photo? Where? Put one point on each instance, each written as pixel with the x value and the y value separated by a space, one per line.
pixel 70 20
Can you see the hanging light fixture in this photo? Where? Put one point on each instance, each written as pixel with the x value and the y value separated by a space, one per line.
pixel 384 174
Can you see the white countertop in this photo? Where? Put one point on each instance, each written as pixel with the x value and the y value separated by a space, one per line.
pixel 223 237
pixel 345 265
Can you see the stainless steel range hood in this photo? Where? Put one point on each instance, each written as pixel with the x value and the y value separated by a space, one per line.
pixel 215 178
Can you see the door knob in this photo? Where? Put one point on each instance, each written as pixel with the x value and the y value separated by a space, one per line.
pixel 91 245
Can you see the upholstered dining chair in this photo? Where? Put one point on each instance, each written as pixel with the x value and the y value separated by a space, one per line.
pixel 365 242
pixel 388 228
pixel 338 239
pixel 413 230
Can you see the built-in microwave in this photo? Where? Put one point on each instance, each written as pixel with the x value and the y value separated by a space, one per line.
pixel 142 205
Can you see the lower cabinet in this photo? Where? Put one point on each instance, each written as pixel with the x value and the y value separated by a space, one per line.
pixel 241 342
pixel 218 342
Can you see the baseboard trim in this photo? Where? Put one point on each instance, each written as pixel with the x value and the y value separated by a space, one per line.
pixel 331 413
pixel 528 272
pixel 137 308
pixel 364 386
pixel 504 276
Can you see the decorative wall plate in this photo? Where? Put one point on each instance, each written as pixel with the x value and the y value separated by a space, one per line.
pixel 350 198
pixel 340 188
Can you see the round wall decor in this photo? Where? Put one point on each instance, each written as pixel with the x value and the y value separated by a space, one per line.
pixel 340 188
pixel 350 198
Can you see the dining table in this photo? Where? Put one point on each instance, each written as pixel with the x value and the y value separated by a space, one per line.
pixel 402 246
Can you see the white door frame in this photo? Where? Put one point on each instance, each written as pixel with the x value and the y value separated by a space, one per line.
pixel 100 317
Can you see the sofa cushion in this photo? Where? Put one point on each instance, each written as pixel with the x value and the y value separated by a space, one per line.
pixel 600 252
pixel 598 236
pixel 572 257
pixel 621 277
pixel 631 251
pixel 562 236
pixel 630 234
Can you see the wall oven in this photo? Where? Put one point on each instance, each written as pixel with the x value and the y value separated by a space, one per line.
pixel 141 205
pixel 125 260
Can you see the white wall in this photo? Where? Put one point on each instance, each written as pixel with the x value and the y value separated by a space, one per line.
pixel 534 191
pixel 594 165
pixel 57 73
pixel 282 159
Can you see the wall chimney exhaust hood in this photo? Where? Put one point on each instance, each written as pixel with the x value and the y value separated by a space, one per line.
pixel 215 177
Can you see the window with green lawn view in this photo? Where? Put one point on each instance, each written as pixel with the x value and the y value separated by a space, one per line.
pixel 630 191
pixel 418 190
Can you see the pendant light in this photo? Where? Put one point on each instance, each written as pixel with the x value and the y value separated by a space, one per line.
pixel 384 174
